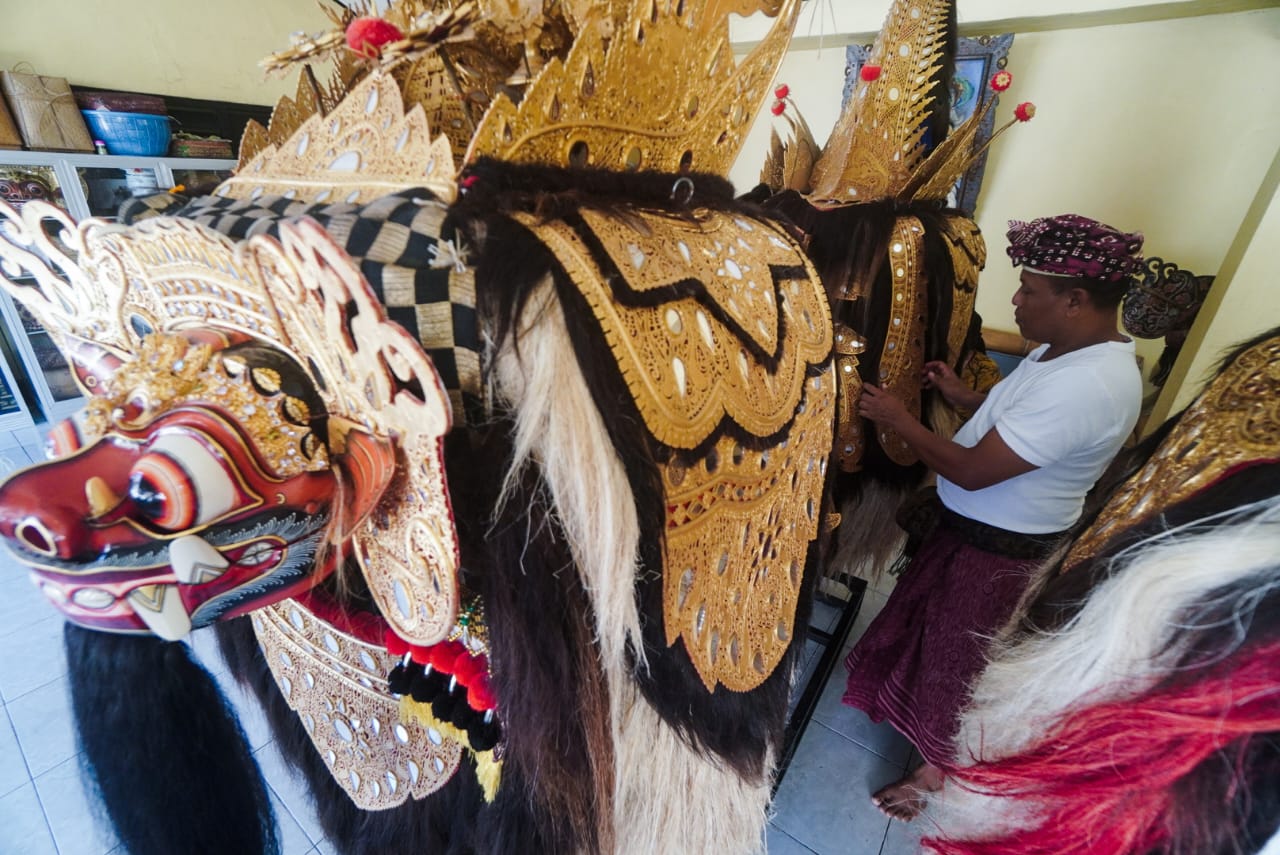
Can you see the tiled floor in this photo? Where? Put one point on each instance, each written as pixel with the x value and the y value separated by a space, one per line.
pixel 821 807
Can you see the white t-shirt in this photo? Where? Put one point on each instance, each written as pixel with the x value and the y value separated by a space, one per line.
pixel 1068 416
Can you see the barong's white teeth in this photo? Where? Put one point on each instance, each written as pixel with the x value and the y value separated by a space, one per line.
pixel 161 609
pixel 194 561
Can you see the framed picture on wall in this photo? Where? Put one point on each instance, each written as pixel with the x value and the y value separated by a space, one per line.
pixel 976 61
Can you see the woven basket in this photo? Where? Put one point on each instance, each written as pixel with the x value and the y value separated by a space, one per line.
pixel 208 148
pixel 138 134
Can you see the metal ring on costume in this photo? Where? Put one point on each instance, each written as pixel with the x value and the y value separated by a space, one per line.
pixel 683 184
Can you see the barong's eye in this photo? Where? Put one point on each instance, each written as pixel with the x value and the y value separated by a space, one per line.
pixel 183 480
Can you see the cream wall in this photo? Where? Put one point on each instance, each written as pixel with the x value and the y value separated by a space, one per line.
pixel 1165 126
pixel 1245 305
pixel 171 47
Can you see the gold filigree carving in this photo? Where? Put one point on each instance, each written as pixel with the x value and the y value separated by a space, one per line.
pixel 1234 422
pixel 171 371
pixel 902 359
pixel 874 148
pixel 336 683
pixel 686 361
pixel 850 441
pixel 365 148
pixel 368 368
pixel 739 523
pixel 665 94
pixel 41 243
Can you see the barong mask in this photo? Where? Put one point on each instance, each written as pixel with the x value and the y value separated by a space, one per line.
pixel 224 458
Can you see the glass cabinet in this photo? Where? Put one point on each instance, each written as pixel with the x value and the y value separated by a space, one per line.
pixel 40 384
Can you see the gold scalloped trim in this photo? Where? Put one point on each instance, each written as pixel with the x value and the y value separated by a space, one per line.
pixel 287 116
pixel 685 367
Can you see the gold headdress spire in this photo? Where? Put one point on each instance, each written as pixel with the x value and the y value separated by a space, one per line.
pixel 875 146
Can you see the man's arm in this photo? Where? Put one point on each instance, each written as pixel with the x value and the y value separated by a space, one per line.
pixel 989 462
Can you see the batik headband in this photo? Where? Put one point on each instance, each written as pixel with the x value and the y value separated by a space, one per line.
pixel 1072 245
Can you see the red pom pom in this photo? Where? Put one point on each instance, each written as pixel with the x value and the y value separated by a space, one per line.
pixel 1001 80
pixel 420 654
pixel 467 668
pixel 366 36
pixel 869 72
pixel 396 645
pixel 782 91
pixel 479 695
pixel 778 108
pixel 1024 111
pixel 443 655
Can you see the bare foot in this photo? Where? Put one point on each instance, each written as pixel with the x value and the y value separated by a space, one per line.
pixel 905 798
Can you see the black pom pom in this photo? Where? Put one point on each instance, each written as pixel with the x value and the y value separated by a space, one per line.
pixel 400 677
pixel 427 687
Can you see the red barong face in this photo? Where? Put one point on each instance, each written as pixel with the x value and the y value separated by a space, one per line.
pixel 198 488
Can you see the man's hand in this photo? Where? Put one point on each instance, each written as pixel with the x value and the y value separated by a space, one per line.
pixel 938 375
pixel 883 408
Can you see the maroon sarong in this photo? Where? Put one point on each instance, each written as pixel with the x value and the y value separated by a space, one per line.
pixel 915 664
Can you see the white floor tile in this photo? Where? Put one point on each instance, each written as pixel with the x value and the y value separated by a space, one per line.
pixel 23 829
pixel 290 790
pixel 204 646
pixel 33 657
pixel 778 842
pixel 903 838
pixel 21 603
pixel 293 840
pixel 872 604
pixel 13 768
pixel 854 724
pixel 43 721
pixel 823 801
pixel 72 818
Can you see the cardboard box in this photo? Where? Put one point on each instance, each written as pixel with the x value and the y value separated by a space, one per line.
pixel 46 112
pixel 9 136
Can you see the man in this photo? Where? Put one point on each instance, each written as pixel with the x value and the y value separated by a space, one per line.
pixel 1009 484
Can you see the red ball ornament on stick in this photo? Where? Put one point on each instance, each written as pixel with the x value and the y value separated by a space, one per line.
pixel 782 91
pixel 869 73
pixel 1024 111
pixel 778 108
pixel 1001 81
pixel 367 36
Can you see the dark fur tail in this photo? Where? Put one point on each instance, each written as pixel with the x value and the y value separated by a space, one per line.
pixel 164 750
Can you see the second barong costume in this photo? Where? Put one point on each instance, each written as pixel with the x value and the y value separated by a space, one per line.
pixel 1068 417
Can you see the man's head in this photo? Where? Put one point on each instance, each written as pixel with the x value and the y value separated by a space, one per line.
pixel 1071 265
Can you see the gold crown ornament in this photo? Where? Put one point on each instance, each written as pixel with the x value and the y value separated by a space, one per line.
pixel 664 94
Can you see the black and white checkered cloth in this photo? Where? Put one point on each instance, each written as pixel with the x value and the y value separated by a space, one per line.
pixel 415 266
